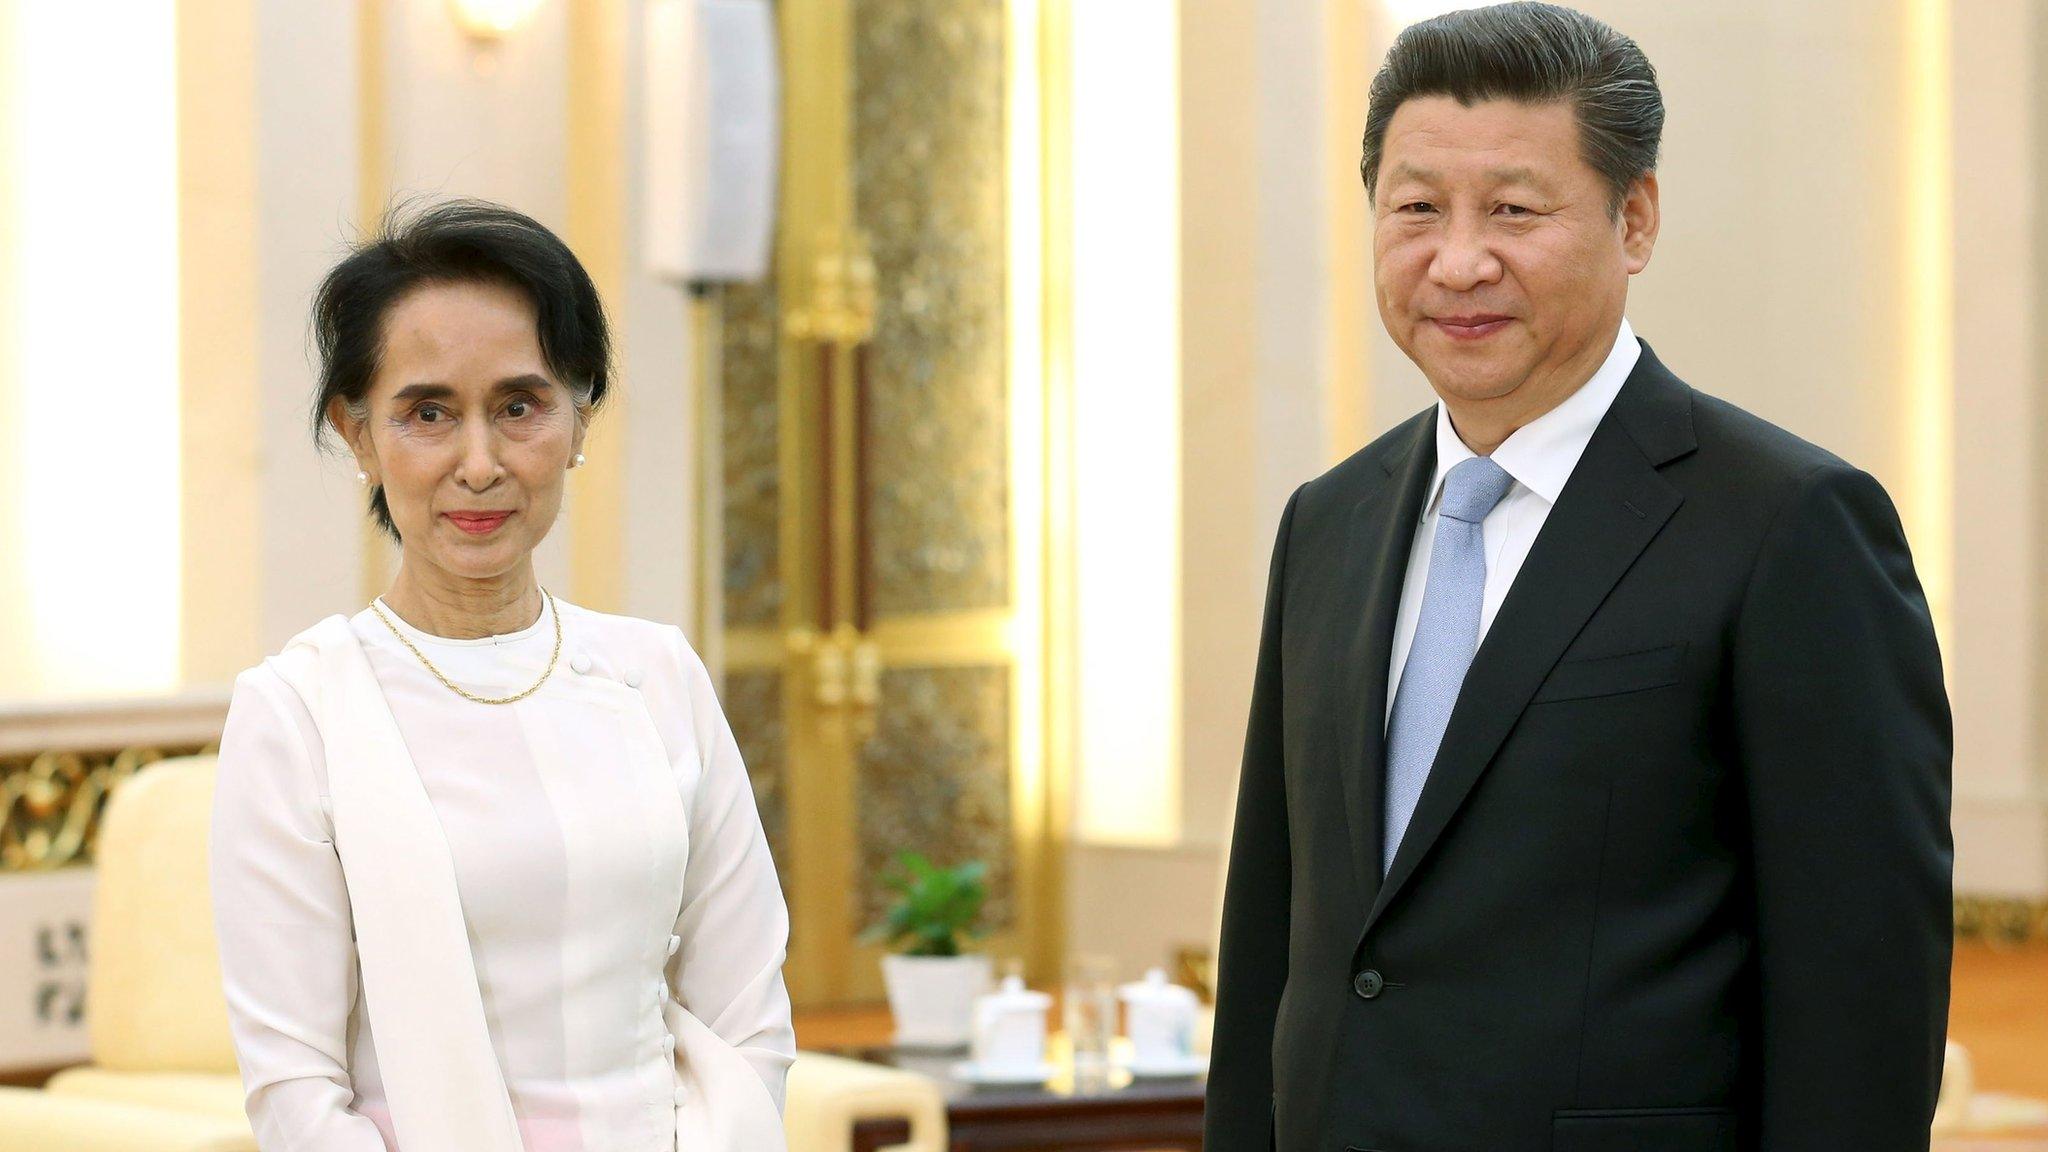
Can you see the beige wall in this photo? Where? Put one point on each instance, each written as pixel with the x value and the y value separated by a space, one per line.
pixel 1222 580
pixel 1274 268
pixel 1180 887
pixel 306 104
pixel 658 443
pixel 1995 675
pixel 217 345
pixel 13 603
pixel 1276 272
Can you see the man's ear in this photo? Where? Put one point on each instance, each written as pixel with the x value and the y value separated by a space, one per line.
pixel 1639 222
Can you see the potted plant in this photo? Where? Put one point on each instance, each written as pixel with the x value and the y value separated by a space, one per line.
pixel 932 985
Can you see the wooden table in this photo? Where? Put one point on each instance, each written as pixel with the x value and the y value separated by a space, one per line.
pixel 1060 1116
pixel 1125 1116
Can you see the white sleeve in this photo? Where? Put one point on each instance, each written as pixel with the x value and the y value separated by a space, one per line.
pixel 734 925
pixel 281 911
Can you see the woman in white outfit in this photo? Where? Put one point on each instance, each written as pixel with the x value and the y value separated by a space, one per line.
pixel 487 869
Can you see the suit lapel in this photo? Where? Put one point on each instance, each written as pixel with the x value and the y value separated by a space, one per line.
pixel 1612 507
pixel 1381 535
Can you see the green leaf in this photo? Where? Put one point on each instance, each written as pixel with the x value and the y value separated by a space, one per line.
pixel 934 907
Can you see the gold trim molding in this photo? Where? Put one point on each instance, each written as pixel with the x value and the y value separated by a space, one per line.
pixel 2002 919
pixel 190 719
pixel 60 762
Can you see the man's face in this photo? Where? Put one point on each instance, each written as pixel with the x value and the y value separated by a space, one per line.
pixel 1499 268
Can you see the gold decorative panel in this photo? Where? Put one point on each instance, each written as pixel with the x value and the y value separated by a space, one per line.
pixel 2003 920
pixel 753 705
pixel 50 804
pixel 875 619
pixel 928 148
pixel 750 438
pixel 935 778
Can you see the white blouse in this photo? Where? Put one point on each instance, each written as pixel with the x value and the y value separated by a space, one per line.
pixel 596 880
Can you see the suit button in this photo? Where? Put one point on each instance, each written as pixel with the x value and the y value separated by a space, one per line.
pixel 1368 984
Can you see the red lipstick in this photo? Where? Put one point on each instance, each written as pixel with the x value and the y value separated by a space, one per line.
pixel 478 523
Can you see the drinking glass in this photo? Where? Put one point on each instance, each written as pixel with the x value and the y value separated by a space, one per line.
pixel 1089 1010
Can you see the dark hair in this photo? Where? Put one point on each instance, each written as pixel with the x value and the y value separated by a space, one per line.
pixel 1534 53
pixel 454 242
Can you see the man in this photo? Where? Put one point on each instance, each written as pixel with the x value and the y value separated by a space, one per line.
pixel 1595 794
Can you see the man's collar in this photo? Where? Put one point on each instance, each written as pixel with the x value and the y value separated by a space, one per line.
pixel 1541 454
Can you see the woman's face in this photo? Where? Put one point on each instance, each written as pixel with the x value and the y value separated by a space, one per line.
pixel 468 430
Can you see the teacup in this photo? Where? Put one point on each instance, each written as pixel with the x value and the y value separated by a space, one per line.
pixel 1009 1028
pixel 1160 1019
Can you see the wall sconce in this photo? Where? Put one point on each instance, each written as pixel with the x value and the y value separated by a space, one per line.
pixel 488 21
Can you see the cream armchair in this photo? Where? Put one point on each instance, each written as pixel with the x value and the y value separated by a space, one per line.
pixel 163 1077
pixel 163 1071
pixel 828 1096
pixel 50 1122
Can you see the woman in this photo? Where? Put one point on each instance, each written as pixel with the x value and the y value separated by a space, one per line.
pixel 487 870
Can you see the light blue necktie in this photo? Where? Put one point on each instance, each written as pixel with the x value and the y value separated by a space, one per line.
pixel 1446 636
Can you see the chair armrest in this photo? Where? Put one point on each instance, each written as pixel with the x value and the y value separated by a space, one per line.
pixel 41 1122
pixel 214 1094
pixel 828 1095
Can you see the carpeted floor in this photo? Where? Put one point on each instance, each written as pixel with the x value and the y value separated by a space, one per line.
pixel 1998 1009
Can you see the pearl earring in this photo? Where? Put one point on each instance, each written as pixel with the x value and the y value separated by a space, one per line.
pixel 577 462
pixel 362 477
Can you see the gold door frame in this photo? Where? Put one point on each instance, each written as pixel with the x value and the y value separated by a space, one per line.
pixel 825 287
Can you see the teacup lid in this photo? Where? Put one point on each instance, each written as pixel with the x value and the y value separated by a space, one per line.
pixel 1012 994
pixel 1154 989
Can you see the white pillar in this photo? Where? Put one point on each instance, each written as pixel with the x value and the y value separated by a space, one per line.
pixel 307 162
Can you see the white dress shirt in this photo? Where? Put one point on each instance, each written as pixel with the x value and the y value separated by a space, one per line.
pixel 606 859
pixel 1540 456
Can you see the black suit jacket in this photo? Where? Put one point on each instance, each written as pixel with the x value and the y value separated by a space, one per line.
pixel 1679 879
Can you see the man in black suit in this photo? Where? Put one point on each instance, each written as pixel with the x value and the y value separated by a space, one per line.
pixel 1595 793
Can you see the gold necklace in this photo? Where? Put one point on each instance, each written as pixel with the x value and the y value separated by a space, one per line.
pixel 458 689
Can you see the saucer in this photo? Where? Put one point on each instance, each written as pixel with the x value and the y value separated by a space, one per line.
pixel 969 1072
pixel 1176 1067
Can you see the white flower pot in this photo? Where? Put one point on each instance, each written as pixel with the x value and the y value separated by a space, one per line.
pixel 932 997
